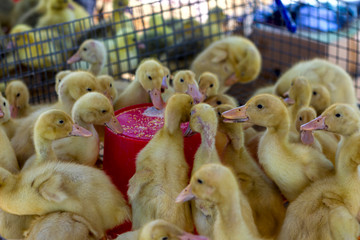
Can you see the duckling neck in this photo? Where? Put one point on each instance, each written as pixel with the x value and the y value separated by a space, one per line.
pixel 236 136
pixel 281 130
pixel 96 68
pixel 206 152
pixel 43 148
pixel 172 121
pixel 79 121
pixel 347 160
pixel 230 215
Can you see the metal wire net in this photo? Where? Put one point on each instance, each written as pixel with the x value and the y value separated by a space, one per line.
pixel 176 31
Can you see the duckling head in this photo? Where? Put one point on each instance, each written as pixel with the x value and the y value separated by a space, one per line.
pixel 96 108
pixel 18 96
pixel 208 84
pixel 4 110
pixel 59 4
pixel 203 120
pixel 166 81
pixel 58 78
pixel 91 51
pixel 299 92
pixel 150 74
pixel 264 110
pixel 219 99
pixel 56 124
pixel 320 98
pixel 162 230
pixel 304 115
pixel 185 82
pixel 76 84
pixel 339 118
pixel 208 184
pixel 177 111
pixel 106 86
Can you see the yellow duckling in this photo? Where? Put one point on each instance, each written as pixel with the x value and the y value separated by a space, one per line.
pixel 162 172
pixel 89 110
pixel 57 11
pixel 17 93
pixel 59 77
pixel 203 120
pixel 50 126
pixel 321 72
pixel 291 166
pixel 213 29
pixel 231 221
pixel 145 88
pixel 208 84
pixel 219 99
pixel 233 59
pixel 255 185
pixel 184 82
pixel 107 87
pixel 328 209
pixel 320 99
pixel 8 125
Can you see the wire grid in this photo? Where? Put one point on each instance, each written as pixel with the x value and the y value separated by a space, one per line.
pixel 175 32
pixel 316 36
pixel 172 31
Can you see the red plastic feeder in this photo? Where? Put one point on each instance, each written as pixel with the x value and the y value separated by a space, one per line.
pixel 120 150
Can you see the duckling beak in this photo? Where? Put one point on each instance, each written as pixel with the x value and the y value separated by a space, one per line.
pixel 188 236
pixel 114 125
pixel 236 115
pixel 164 84
pixel 231 80
pixel 315 124
pixel 193 91
pixel 80 131
pixel 108 95
pixel 13 111
pixel 289 101
pixel 1 114
pixel 75 58
pixel 185 195
pixel 203 93
pixel 156 99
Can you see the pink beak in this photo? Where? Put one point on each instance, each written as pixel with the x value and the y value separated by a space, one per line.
pixel 80 131
pixel 315 124
pixel 1 113
pixel 156 99
pixel 114 125
pixel 13 111
pixel 307 137
pixel 164 83
pixel 188 236
pixel 75 58
pixel 185 195
pixel 289 101
pixel 193 90
pixel 108 95
pixel 238 113
pixel 231 80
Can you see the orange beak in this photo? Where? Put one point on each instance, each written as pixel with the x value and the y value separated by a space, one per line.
pixel 80 131
pixel 236 115
pixel 188 236
pixel 315 124
pixel 1 113
pixel 193 91
pixel 114 125
pixel 231 80
pixel 156 99
pixel 75 58
pixel 185 195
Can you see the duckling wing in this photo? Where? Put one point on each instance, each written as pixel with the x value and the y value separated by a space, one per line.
pixel 139 180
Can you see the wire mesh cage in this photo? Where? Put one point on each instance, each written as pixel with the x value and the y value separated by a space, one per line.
pixel 176 31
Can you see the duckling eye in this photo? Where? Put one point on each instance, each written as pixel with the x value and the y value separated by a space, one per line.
pixel 165 238
pixel 18 95
pixel 300 118
pixel 4 104
pixel 150 78
pixel 181 80
pixel 338 115
pixel 200 181
pixel 314 93
pixel 110 85
pixel 259 106
pixel 211 85
pixel 167 76
pixel 89 89
pixel 191 103
pixel 61 121
pixel 219 113
pixel 218 102
pixel 103 111
pixel 85 49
